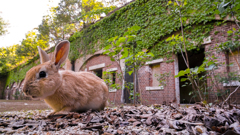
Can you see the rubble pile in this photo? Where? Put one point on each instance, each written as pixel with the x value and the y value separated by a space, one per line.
pixel 144 120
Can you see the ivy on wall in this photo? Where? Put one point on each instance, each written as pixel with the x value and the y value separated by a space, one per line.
pixel 157 21
pixel 14 76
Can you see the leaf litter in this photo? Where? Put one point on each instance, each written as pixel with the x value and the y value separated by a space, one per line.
pixel 145 120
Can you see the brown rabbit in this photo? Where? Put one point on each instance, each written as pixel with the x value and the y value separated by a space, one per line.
pixel 64 91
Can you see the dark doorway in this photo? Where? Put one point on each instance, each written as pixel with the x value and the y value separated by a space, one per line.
pixel 113 77
pixel 73 65
pixel 128 82
pixel 195 58
pixel 98 73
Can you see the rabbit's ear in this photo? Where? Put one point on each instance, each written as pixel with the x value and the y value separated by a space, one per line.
pixel 61 53
pixel 43 55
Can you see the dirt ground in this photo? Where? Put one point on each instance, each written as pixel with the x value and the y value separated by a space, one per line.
pixel 17 105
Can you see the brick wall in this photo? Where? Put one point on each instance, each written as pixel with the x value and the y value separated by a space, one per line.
pixel 165 95
pixel 232 60
pixel 168 93
pixel 99 59
pixel 235 69
pixel 219 35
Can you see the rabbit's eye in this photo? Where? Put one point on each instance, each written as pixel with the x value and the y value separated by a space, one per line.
pixel 42 74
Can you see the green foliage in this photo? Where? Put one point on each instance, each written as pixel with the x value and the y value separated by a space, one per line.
pixel 15 55
pixel 69 17
pixel 229 6
pixel 156 22
pixel 91 11
pixel 3 26
pixel 125 48
pixel 208 72
pixel 62 22
pixel 95 13
pixel 233 42
pixel 7 56
pixel 163 78
pixel 108 78
pixel 130 88
pixel 19 73
pixel 223 6
pixel 28 47
pixel 19 95
pixel 197 77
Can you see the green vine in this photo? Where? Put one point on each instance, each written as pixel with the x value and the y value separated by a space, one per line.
pixel 156 21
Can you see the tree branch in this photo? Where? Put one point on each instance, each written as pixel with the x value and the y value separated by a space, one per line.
pixel 230 96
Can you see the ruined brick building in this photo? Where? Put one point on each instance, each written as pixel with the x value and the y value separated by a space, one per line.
pixel 152 91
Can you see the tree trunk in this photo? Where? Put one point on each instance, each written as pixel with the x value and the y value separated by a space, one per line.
pixel 134 76
pixel 135 85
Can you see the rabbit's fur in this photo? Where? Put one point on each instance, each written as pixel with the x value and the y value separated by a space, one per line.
pixel 64 91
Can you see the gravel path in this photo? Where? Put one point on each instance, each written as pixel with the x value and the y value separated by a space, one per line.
pixel 18 105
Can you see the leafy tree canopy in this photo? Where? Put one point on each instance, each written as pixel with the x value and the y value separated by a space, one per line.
pixel 69 17
pixel 64 20
pixel 3 26
pixel 13 56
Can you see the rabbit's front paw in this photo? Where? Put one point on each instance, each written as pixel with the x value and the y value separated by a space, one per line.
pixel 51 114
pixel 57 114
pixel 62 113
